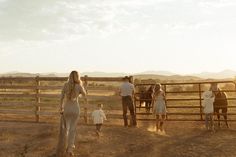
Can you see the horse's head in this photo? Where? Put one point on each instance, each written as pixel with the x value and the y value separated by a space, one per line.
pixel 150 89
pixel 214 87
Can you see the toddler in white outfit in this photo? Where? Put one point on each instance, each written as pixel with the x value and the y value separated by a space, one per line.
pixel 98 118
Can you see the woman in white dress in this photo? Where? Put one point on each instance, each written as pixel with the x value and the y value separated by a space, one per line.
pixel 159 108
pixel 70 108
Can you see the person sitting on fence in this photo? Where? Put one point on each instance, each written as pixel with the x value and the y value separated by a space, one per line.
pixel 127 92
pixel 98 117
pixel 208 108
pixel 159 108
pixel 69 108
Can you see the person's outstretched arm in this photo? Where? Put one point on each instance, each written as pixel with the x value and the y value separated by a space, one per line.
pixel 83 93
pixel 164 95
pixel 62 99
pixel 104 115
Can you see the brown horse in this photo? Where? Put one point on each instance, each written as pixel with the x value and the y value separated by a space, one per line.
pixel 147 98
pixel 220 104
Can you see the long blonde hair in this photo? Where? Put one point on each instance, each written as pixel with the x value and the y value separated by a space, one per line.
pixel 74 78
pixel 158 88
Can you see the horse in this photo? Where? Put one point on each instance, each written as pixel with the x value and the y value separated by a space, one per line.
pixel 147 98
pixel 220 103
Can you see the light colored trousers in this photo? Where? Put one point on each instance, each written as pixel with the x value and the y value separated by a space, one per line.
pixel 209 121
pixel 71 115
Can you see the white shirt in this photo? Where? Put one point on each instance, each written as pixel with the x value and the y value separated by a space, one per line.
pixel 208 100
pixel 98 116
pixel 127 89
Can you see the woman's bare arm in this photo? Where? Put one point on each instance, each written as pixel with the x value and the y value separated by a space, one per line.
pixel 83 93
pixel 62 98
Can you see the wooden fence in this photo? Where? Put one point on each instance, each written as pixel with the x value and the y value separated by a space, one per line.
pixel 32 94
pixel 38 92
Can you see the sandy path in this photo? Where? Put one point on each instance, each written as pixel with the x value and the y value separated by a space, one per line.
pixel 18 139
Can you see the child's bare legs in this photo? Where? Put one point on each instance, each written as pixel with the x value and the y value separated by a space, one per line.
pixel 163 117
pixel 98 129
pixel 207 121
pixel 160 122
pixel 211 118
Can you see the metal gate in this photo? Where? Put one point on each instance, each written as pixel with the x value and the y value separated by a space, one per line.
pixel 184 100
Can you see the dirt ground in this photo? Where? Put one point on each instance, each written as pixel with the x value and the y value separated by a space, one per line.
pixel 28 139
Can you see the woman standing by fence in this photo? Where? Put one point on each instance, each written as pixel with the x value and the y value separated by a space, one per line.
pixel 70 111
pixel 159 108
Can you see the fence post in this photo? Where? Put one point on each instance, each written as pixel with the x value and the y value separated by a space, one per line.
pixel 131 80
pixel 165 100
pixel 135 100
pixel 234 85
pixel 200 98
pixel 86 107
pixel 37 99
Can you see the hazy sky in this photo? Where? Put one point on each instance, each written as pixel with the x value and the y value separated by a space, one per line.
pixel 183 36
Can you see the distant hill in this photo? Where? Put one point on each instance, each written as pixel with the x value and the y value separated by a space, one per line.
pixel 17 74
pixel 225 74
pixel 161 75
pixel 218 75
pixel 104 74
pixel 20 74
pixel 165 73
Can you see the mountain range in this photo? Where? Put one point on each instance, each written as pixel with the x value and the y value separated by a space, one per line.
pixel 225 74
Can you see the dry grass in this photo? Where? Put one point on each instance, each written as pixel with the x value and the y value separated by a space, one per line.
pixel 26 139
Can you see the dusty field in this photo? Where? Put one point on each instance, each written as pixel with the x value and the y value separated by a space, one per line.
pixel 26 139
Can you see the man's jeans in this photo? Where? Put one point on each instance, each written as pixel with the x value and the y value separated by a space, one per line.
pixel 127 102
